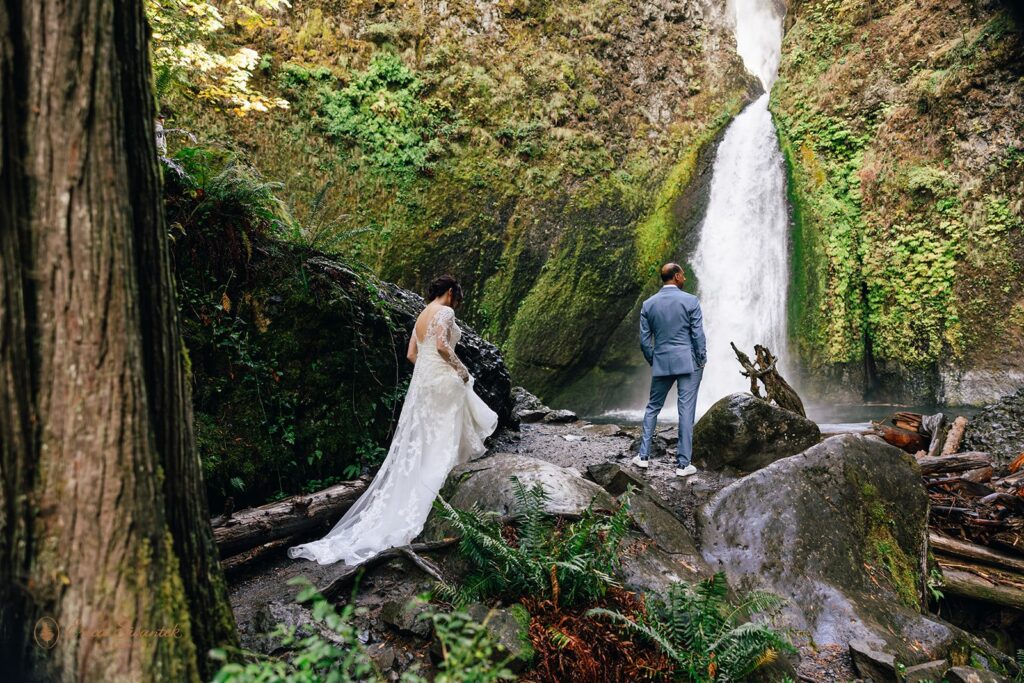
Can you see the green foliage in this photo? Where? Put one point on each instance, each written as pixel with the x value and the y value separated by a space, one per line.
pixel 383 114
pixel 567 563
pixel 702 633
pixel 333 653
pixel 469 653
pixel 340 658
pixel 184 36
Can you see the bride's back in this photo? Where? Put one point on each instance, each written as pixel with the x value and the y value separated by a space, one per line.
pixel 424 320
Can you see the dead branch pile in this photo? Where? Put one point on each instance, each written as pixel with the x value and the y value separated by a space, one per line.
pixel 976 519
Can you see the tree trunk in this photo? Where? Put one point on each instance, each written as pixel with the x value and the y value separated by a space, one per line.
pixel 104 523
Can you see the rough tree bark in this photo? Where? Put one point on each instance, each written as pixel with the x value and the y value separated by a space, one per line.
pixel 103 522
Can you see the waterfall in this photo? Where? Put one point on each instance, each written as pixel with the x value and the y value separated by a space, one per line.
pixel 741 262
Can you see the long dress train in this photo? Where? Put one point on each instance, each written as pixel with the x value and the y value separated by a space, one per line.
pixel 443 423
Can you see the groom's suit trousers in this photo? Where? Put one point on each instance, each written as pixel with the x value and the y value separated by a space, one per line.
pixel 687 386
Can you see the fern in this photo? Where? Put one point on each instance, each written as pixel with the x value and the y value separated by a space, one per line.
pixel 700 631
pixel 567 565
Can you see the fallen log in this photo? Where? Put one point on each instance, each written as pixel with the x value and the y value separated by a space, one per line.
pixel 955 436
pixel 959 462
pixel 973 551
pixel 912 422
pixel 241 560
pixel 777 389
pixel 910 441
pixel 958 580
pixel 286 519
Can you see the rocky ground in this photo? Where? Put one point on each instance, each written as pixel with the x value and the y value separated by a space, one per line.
pixel 838 531
pixel 258 595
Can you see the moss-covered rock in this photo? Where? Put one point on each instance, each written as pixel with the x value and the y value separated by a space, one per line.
pixel 901 130
pixel 839 530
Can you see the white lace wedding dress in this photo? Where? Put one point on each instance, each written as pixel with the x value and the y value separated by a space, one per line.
pixel 443 423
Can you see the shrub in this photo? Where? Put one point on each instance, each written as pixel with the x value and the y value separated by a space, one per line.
pixel 382 113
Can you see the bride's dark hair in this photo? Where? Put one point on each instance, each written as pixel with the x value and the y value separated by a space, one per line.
pixel 441 285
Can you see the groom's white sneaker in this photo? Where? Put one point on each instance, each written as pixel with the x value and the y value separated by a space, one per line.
pixel 642 464
pixel 687 471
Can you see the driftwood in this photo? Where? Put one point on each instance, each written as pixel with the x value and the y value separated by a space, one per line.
pixel 237 532
pixel 955 436
pixel 935 427
pixel 973 551
pixel 909 440
pixel 980 584
pixel 960 462
pixel 241 560
pixel 777 389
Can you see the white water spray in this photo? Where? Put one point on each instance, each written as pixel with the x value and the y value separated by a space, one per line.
pixel 742 259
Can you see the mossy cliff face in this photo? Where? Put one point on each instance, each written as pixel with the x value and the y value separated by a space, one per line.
pixel 902 129
pixel 534 149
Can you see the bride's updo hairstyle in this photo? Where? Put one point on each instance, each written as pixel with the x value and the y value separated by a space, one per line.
pixel 441 285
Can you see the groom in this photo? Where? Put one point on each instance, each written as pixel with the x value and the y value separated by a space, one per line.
pixel 672 339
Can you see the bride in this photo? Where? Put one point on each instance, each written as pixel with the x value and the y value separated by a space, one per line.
pixel 443 423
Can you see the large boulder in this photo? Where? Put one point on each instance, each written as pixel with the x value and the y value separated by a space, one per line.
pixel 839 531
pixel 998 429
pixel 745 433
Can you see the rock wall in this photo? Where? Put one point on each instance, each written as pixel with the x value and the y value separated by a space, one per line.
pixel 555 141
pixel 900 121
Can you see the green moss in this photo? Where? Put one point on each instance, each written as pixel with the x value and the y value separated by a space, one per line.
pixel 884 555
pixel 523 618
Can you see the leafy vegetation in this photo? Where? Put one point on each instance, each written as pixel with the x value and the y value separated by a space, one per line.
pixel 702 633
pixel 896 222
pixel 381 112
pixel 184 54
pixel 567 563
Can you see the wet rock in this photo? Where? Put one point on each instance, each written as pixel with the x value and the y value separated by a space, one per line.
pixel 488 484
pixel 673 556
pixel 745 433
pixel 966 674
pixel 383 656
pixel 613 478
pixel 530 415
pixel 998 429
pixel 822 529
pixel 604 430
pixel 509 628
pixel 871 664
pixel 560 417
pixel 524 400
pixel 929 671
pixel 405 616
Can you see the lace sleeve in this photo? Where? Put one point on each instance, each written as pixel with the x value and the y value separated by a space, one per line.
pixel 441 328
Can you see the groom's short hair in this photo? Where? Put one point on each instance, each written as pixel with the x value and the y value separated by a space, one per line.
pixel 669 270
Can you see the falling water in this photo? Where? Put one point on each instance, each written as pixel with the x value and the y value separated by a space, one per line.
pixel 741 260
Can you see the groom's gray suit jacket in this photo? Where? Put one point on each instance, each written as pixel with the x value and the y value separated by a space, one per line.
pixel 672 333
